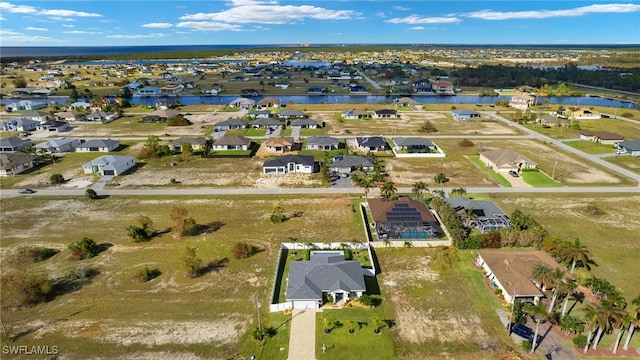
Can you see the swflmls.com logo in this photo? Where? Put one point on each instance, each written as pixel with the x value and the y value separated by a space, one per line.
pixel 29 350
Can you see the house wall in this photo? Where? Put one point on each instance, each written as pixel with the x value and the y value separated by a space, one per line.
pixel 17 170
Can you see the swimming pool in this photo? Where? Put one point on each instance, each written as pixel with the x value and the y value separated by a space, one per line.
pixel 413 235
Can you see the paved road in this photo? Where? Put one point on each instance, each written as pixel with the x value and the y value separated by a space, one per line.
pixel 302 339
pixel 373 83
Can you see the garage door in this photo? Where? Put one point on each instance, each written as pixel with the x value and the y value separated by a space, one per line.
pixel 109 172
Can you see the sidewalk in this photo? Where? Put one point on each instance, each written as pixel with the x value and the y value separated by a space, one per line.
pixel 302 339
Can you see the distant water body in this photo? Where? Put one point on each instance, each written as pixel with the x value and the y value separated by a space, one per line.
pixel 36 51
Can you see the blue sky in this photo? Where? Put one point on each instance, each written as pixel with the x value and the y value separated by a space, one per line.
pixel 207 22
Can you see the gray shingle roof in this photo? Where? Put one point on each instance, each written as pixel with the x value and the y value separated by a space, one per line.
pixel 284 160
pixel 309 279
pixel 322 140
pixel 233 122
pixel 351 161
pixel 412 141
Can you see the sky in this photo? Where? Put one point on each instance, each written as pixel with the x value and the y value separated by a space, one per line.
pixel 266 22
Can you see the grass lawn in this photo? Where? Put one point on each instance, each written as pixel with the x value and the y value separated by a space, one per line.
pixel 494 174
pixel 628 162
pixel 591 147
pixel 625 128
pixel 364 342
pixel 313 132
pixel 538 179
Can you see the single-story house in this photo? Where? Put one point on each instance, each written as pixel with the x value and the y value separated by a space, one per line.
pixel 304 164
pixel 36 115
pixel 324 275
pixel 442 88
pixel 148 91
pixel 232 143
pixel 355 114
pixel 291 114
pixel 404 218
pixel 278 144
pixel 269 102
pixel 55 126
pixel 14 144
pixel 464 115
pixel 70 116
pixel 407 102
pixel 109 165
pixel 26 105
pixel 322 143
pixel 522 101
pixel 170 90
pixel 371 143
pixel 487 216
pixel 385 114
pixel 551 121
pixel 231 124
pixel 259 114
pixel 12 164
pixel 357 89
pixel 505 160
pixel 242 103
pixel 266 123
pixel 345 164
pixel 304 123
pixel 316 90
pixel 629 147
pixel 160 115
pixel 197 144
pixel 59 145
pixel 81 105
pixel 413 145
pixel 584 114
pixel 98 145
pixel 510 271
pixel 97 116
pixel 20 124
pixel 602 137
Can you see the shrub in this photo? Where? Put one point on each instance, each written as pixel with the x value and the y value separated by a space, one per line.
pixel 56 179
pixel 91 194
pixel 526 345
pixel 497 291
pixel 627 114
pixel 146 274
pixel 86 248
pixel 428 127
pixel 593 209
pixel 366 300
pixel 35 254
pixel 241 251
pixel 580 341
pixel 466 143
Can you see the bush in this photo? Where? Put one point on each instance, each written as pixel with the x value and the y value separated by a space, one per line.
pixel 91 194
pixel 466 143
pixel 627 114
pixel 56 179
pixel 241 251
pixel 146 274
pixel 497 291
pixel 366 300
pixel 83 249
pixel 35 254
pixel 526 345
pixel 428 127
pixel 593 209
pixel 580 341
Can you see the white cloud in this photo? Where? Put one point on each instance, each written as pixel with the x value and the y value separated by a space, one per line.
pixel 263 12
pixel 545 14
pixel 68 13
pixel 416 19
pixel 208 26
pixel 401 8
pixel 12 36
pixel 158 25
pixel 417 28
pixel 54 13
pixel 82 32
pixel 68 25
pixel 139 36
pixel 381 14
pixel 17 9
pixel 31 28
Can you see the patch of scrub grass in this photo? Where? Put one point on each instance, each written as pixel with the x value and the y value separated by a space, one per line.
pixel 538 179
pixel 362 343
pixel 591 147
pixel 494 174
pixel 631 163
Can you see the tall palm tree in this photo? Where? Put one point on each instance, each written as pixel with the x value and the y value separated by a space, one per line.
pixel 557 276
pixel 577 297
pixel 608 314
pixel 576 254
pixel 571 325
pixel 594 321
pixel 388 189
pixel 619 326
pixel 542 274
pixel 366 183
pixel 567 288
pixel 469 218
pixel 418 187
pixel 539 312
pixel 633 321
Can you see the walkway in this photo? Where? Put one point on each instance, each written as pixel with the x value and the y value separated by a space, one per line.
pixel 302 339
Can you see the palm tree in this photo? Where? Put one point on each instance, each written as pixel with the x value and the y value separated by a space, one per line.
pixel 418 187
pixel 558 281
pixel 608 314
pixel 567 289
pixel 542 274
pixel 294 240
pixel 633 321
pixel 593 322
pixel 388 189
pixel 577 297
pixel 576 254
pixel 366 183
pixel 620 326
pixel 571 325
pixel 539 312
pixel 469 218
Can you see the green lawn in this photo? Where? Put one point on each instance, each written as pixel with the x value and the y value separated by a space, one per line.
pixel 313 132
pixel 591 147
pixel 494 174
pixel 538 179
pixel 628 162
pixel 363 343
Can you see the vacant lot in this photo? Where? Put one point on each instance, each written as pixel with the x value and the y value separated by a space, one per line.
pixel 203 317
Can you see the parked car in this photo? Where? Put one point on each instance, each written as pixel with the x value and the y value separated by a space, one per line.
pixel 26 191
pixel 513 173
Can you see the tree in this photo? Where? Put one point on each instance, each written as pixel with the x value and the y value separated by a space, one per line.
pixel 567 289
pixel 539 312
pixel 192 262
pixel 388 189
pixel 91 194
pixel 469 218
pixel 571 325
pixel 576 254
pixel 459 191
pixel 377 324
pixel 277 213
pixel 86 248
pixel 366 183
pixel 557 279
pixel 428 127
pixel 542 274
pixel 440 178
pixel 634 321
pixel 19 82
pixel 608 315
pixel 294 241
pixel 418 187
pixel 56 179
pixel 182 223
pixel 241 251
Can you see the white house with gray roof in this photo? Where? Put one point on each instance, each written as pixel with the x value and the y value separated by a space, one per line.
pixel 14 143
pixel 485 215
pixel 98 145
pixel 231 124
pixel 20 124
pixel 326 273
pixel 629 147
pixel 109 165
pixel 323 143
pixel 304 164
pixel 59 145
pixel 345 164
pixel 415 147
